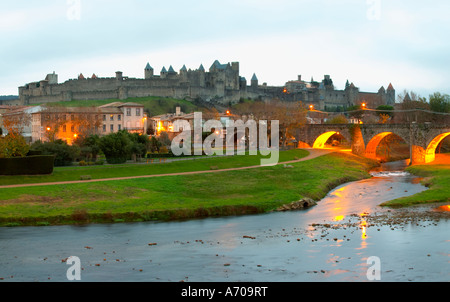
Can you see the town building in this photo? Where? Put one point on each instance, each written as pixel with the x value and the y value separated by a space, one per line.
pixel 67 123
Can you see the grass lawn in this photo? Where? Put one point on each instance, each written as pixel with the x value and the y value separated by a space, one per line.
pixel 436 178
pixel 125 170
pixel 177 197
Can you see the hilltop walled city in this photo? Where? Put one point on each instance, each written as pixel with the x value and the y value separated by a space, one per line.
pixel 222 84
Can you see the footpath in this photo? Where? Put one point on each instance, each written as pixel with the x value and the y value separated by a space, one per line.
pixel 313 153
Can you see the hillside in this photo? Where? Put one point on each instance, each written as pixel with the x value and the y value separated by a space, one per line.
pixel 153 105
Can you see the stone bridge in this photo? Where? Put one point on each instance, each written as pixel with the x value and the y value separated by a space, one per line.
pixel 364 138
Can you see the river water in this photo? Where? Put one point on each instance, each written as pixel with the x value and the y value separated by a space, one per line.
pixel 328 242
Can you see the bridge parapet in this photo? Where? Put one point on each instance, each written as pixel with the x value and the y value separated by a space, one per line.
pixel 364 138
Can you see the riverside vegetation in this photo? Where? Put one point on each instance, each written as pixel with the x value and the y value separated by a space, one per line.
pixel 172 197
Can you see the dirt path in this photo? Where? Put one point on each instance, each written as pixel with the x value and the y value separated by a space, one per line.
pixel 313 153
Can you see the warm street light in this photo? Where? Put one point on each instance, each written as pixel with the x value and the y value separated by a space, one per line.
pixel 363 105
pixel 48 128
pixel 75 135
pixel 311 107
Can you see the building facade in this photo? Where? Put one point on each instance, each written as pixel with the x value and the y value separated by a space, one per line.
pixel 67 123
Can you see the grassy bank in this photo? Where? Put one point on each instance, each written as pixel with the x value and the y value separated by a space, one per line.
pixel 74 173
pixel 178 197
pixel 436 177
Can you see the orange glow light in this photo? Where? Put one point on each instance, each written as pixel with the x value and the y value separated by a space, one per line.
pixel 321 140
pixel 48 128
pixel 430 154
pixel 445 208
pixel 339 218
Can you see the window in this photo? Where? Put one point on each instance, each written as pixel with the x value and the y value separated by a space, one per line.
pixel 104 117
pixel 128 111
pixel 112 128
pixel 72 117
pixel 138 111
pixel 72 128
pixel 111 117
pixel 119 117
pixel 64 128
pixel 104 128
pixel 120 127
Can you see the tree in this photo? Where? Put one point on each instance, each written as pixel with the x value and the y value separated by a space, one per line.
pixel 440 102
pixel 338 119
pixel 414 107
pixel 139 144
pixel 116 147
pixel 385 113
pixel 355 111
pixel 64 154
pixel 291 115
pixel 14 144
pixel 89 146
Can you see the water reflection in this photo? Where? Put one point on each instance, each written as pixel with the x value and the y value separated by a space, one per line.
pixel 287 246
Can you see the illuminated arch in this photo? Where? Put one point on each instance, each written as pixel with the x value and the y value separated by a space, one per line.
pixel 322 139
pixel 430 154
pixel 371 149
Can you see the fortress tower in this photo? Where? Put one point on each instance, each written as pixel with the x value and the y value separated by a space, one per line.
pixel 148 72
pixel 390 95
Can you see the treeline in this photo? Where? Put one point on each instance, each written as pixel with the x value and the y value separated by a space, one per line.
pixel 115 148
pixel 8 97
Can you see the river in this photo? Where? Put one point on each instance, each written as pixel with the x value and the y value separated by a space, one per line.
pixel 331 241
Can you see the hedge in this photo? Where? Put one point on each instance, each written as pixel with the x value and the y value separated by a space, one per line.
pixel 30 165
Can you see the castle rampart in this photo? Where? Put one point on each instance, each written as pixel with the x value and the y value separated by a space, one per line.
pixel 222 83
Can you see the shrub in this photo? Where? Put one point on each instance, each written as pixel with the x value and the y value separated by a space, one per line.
pixel 64 154
pixel 82 163
pixel 31 165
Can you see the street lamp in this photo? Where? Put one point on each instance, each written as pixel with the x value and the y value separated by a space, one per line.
pixel 311 107
pixel 363 105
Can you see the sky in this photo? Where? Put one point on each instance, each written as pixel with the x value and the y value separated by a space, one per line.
pixel 369 42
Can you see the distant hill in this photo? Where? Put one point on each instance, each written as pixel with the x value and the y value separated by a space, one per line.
pixel 8 97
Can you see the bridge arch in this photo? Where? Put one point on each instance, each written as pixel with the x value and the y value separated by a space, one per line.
pixel 430 153
pixel 320 141
pixel 372 145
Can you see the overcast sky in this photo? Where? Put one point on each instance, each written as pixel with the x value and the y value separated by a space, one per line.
pixel 369 42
